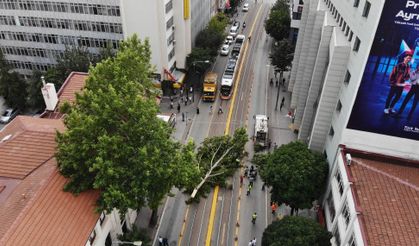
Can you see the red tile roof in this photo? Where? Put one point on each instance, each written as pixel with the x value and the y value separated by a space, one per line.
pixel 34 210
pixel 388 196
pixel 74 83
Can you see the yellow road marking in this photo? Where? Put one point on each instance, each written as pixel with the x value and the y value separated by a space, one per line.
pixel 212 216
pixel 183 226
pixel 226 132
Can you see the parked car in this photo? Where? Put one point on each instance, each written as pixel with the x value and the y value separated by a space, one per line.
pixel 229 40
pixel 9 115
pixel 224 50
pixel 245 7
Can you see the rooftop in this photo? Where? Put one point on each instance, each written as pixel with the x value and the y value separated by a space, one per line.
pixel 387 192
pixel 34 209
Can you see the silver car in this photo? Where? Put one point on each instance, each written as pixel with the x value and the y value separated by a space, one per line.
pixel 9 115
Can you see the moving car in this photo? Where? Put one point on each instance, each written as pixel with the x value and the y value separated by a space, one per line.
pixel 245 7
pixel 234 30
pixel 224 50
pixel 9 115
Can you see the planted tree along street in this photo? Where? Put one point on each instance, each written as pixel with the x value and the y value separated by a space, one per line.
pixel 191 177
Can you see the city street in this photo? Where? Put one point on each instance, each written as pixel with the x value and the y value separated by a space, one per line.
pixel 226 218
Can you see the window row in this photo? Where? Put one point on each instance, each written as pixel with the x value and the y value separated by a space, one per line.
pixel 29 65
pixel 79 25
pixel 7 20
pixel 60 39
pixel 36 52
pixel 343 25
pixel 79 8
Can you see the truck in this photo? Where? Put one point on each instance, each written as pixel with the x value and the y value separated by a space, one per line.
pixel 210 87
pixel 261 136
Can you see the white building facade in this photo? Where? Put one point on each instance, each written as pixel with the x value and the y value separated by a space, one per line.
pixel 34 32
pixel 296 10
pixel 332 51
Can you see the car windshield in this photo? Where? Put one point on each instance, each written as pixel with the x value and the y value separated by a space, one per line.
pixel 7 113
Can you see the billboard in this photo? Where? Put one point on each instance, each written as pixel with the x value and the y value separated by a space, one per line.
pixel 389 91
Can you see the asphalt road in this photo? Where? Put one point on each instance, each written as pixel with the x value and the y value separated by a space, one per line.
pixel 229 222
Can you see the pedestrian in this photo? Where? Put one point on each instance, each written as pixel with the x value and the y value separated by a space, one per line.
pixel 183 116
pixel 254 216
pixel 248 190
pixel 186 101
pixel 190 99
pixel 241 180
pixel 160 241
pixel 181 92
pixel 276 83
pixel 281 106
pixel 190 89
pixel 273 207
pixel 254 242
pixel 197 110
pixel 283 100
pixel 283 81
pixel 250 243
pixel 249 38
pixel 171 105
pixel 220 110
pixel 263 186
pixel 181 98
pixel 210 109
pixel 271 82
pixel 165 242
pixel 178 107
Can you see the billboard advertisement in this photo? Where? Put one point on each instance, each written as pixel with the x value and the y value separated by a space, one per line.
pixel 389 91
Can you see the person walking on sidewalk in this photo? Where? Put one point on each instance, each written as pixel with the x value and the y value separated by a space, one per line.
pixel 160 241
pixel 178 107
pixel 210 109
pixel 282 103
pixel 254 242
pixel 197 110
pixel 220 110
pixel 171 105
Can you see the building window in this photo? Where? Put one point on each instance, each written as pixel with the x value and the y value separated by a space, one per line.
pixel 339 182
pixel 339 106
pixel 169 6
pixel 347 77
pixel 337 236
pixel 92 237
pixel 367 8
pixel 356 3
pixel 347 30
pixel 331 206
pixel 331 131
pixel 102 218
pixel 171 54
pixel 346 214
pixel 344 26
pixel 351 34
pixel 169 23
pixel 351 241
pixel 357 44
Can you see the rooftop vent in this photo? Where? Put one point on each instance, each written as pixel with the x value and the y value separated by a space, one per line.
pixel 50 95
pixel 7 137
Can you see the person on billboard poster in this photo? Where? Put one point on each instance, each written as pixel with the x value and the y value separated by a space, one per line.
pixel 413 92
pixel 400 73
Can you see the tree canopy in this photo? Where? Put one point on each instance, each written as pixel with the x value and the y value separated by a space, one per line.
pixel 297 175
pixel 295 231
pixel 115 143
pixel 282 55
pixel 278 23
pixel 12 86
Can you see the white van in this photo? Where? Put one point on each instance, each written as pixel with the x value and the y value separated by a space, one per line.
pixel 234 31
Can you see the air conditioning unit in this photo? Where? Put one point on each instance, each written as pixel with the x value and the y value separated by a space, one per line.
pixel 173 27
pixel 348 159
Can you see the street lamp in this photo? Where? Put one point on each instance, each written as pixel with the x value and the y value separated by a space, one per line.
pixel 193 85
pixel 137 243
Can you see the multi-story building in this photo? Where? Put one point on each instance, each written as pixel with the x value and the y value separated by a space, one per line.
pixel 296 10
pixel 353 91
pixel 34 32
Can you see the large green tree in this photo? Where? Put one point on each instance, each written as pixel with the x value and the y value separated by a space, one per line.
pixel 13 87
pixel 297 174
pixel 115 143
pixel 278 23
pixel 35 99
pixel 295 231
pixel 282 55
